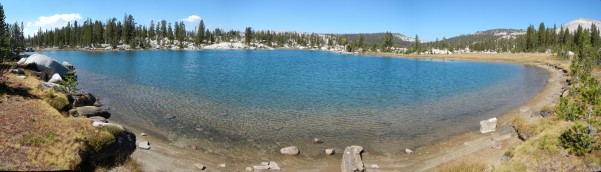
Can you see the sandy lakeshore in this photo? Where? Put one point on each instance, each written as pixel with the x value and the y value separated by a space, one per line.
pixel 169 156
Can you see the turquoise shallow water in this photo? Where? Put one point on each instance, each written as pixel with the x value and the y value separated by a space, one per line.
pixel 258 101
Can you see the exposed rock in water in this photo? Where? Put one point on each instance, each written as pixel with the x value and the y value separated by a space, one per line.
pixel 330 151
pixel 144 145
pixel 56 78
pixel 84 100
pixel 292 150
pixel 351 159
pixel 504 133
pixel 88 111
pixel 100 124
pixel 488 125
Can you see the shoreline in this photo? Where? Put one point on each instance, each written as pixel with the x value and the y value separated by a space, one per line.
pixel 167 155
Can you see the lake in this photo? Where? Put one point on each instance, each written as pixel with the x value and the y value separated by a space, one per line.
pixel 256 102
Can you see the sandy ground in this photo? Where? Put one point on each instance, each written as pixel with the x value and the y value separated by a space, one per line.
pixel 165 156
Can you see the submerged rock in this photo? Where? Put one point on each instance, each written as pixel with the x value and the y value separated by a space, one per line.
pixel 292 150
pixel 317 141
pixel 488 125
pixel 351 159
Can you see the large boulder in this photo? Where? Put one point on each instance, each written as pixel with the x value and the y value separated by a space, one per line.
pixel 292 150
pixel 22 61
pixel 56 78
pixel 46 64
pixel 488 125
pixel 351 159
pixel 83 100
pixel 88 111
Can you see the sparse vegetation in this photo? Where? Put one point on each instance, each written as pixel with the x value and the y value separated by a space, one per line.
pixel 463 166
pixel 58 100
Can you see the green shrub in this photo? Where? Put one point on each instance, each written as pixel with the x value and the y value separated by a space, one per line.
pixel 55 99
pixel 570 110
pixel 70 80
pixel 578 140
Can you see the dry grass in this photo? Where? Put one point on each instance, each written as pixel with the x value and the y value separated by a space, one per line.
pixel 462 166
pixel 35 136
pixel 542 151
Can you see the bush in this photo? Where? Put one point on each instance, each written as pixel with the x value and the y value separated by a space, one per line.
pixel 570 110
pixel 70 80
pixel 578 140
pixel 56 99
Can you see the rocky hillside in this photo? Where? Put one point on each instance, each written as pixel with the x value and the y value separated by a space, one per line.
pixel 584 22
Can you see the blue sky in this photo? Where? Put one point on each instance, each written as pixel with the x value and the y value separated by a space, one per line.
pixel 430 19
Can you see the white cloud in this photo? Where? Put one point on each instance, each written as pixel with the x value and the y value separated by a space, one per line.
pixel 50 22
pixel 192 19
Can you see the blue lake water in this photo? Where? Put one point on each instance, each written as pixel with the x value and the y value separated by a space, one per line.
pixel 259 101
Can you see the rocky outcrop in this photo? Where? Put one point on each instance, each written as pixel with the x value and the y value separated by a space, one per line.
pixel 123 146
pixel 292 150
pixel 488 125
pixel 144 145
pixel 88 111
pixel 351 159
pixel 46 64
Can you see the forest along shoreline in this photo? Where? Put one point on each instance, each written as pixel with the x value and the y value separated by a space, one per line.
pixel 165 155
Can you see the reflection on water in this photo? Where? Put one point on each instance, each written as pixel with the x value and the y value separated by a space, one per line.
pixel 260 101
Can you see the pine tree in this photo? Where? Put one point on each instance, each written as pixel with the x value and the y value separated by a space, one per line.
pixel 387 43
pixel 531 39
pixel 200 33
pixel 595 37
pixel 417 45
pixel 4 47
pixel 248 35
pixel 542 36
pixel 151 33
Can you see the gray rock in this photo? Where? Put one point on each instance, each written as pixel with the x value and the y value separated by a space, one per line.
pixel 88 111
pixel 504 133
pixel 84 100
pixel 50 85
pixel 488 125
pixel 56 78
pixel 46 64
pixel 221 165
pixel 67 64
pixel 144 145
pixel 98 119
pixel 565 93
pixel 351 159
pixel 292 150
pixel 73 113
pixel 22 76
pixel 143 134
pixel 273 166
pixel 99 124
pixel 249 169
pixel 408 151
pixel 260 167
pixel 19 71
pixel 317 141
pixel 22 61
pixel 123 146
pixel 375 166
pixel 200 166
pixel 330 151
